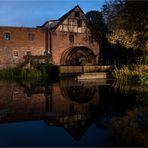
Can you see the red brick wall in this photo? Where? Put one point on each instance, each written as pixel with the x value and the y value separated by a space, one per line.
pixel 19 42
pixel 60 43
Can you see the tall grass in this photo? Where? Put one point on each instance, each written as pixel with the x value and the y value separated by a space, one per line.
pixel 22 74
pixel 125 74
pixel 144 78
pixel 132 74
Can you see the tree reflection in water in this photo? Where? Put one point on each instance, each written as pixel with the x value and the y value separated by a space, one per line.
pixel 132 129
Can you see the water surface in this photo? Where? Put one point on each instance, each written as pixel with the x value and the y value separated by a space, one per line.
pixel 72 113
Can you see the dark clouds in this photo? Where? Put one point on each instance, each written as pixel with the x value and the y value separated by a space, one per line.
pixel 36 12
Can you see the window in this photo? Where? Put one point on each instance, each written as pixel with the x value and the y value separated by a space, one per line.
pixel 71 22
pixel 30 36
pixel 71 38
pixel 90 39
pixel 28 53
pixel 79 23
pixel 45 52
pixel 6 36
pixel 77 14
pixel 15 53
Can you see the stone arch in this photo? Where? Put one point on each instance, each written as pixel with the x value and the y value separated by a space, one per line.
pixel 78 56
pixel 79 94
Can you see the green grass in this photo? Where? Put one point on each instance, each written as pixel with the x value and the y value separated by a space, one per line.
pixel 131 74
pixel 23 74
pixel 144 78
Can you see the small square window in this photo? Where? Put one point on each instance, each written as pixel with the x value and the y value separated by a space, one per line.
pixel 30 36
pixel 28 53
pixel 79 23
pixel 77 14
pixel 90 39
pixel 71 38
pixel 6 36
pixel 15 53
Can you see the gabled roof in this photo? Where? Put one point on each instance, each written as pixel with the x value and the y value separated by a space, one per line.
pixel 56 23
pixel 52 24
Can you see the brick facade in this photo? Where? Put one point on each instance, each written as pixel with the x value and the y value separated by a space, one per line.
pixel 12 51
pixel 61 38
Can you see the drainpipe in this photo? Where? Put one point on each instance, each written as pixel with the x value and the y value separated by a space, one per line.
pixel 47 39
pixel 48 43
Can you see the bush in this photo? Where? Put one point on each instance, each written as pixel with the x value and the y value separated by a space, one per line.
pixel 125 74
pixel 144 78
pixel 23 74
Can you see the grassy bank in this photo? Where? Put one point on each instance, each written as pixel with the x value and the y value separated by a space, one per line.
pixel 132 74
pixel 33 74
pixel 23 74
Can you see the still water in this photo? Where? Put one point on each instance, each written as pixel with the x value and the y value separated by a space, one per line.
pixel 73 113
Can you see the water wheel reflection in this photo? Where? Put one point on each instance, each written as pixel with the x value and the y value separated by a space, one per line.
pixel 80 94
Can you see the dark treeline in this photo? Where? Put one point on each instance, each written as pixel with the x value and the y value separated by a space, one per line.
pixel 122 28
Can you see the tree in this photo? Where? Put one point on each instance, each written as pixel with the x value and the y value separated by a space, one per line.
pixel 129 22
pixel 97 26
pixel 138 18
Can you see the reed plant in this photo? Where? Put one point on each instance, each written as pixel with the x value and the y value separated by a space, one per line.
pixel 6 74
pixel 32 74
pixel 21 74
pixel 144 78
pixel 127 74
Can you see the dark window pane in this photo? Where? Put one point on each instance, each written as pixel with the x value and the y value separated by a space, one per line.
pixel 77 14
pixel 6 36
pixel 15 53
pixel 71 38
pixel 30 36
pixel 79 23
pixel 28 53
pixel 90 39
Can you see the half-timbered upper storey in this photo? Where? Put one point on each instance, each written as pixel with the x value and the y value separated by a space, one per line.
pixel 73 21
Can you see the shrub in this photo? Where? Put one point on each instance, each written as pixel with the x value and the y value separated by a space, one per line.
pixel 127 74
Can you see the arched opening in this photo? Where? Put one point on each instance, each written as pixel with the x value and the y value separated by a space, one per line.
pixel 80 94
pixel 78 56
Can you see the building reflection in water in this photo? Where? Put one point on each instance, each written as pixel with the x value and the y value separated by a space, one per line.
pixel 68 103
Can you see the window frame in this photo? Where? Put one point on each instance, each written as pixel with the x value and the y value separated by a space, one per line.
pixel 15 53
pixel 28 53
pixel 79 23
pixel 77 14
pixel 71 38
pixel 6 36
pixel 31 36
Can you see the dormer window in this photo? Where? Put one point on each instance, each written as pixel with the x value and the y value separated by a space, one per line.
pixel 77 14
pixel 6 36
